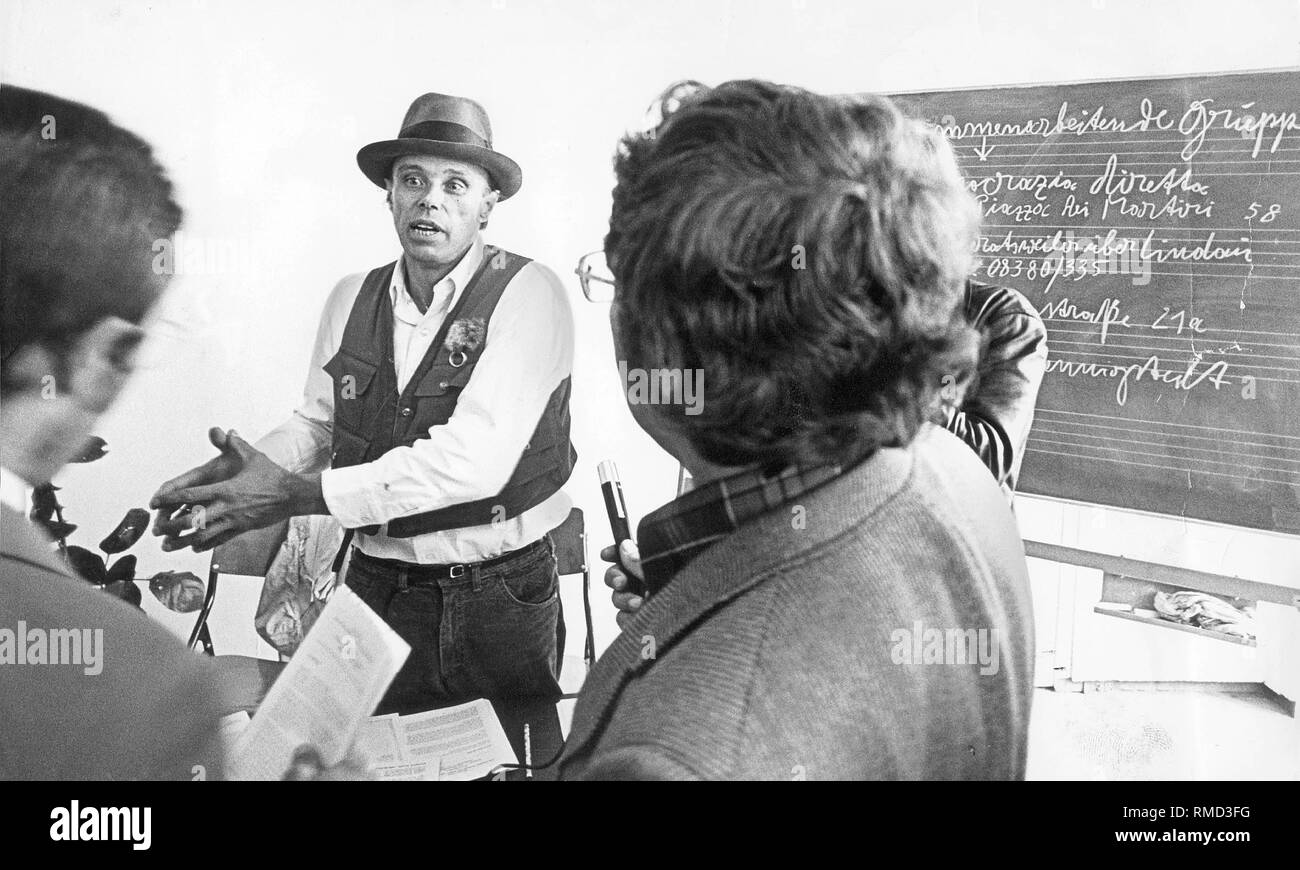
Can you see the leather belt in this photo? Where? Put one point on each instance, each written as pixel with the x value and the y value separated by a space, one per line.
pixel 418 573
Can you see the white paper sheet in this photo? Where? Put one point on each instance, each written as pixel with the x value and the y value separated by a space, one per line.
pixel 230 728
pixel 331 685
pixel 380 741
pixel 413 771
pixel 468 739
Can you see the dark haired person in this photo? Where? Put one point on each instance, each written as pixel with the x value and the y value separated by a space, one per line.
pixel 434 424
pixel 843 594
pixel 993 415
pixel 83 203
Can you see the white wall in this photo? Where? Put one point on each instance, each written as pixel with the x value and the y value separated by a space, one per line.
pixel 258 109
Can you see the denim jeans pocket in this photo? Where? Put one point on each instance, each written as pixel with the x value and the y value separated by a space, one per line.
pixel 505 633
pixel 530 589
pixel 529 582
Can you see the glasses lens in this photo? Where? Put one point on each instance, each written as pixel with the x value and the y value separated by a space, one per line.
pixel 597 279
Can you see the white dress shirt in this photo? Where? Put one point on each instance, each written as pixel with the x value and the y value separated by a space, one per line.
pixel 528 352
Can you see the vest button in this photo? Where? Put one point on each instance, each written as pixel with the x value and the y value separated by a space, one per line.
pixel 442 385
pixel 406 412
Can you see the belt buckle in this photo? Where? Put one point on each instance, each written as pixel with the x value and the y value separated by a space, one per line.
pixel 456 571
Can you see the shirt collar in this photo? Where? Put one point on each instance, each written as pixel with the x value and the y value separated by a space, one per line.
pixel 459 276
pixel 670 537
pixel 15 493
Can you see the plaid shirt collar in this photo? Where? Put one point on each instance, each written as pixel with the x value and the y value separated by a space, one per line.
pixel 670 537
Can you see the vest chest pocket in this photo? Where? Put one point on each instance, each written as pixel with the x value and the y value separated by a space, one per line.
pixel 444 378
pixel 353 378
pixel 436 394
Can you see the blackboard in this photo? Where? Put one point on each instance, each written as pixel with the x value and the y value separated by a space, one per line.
pixel 1155 224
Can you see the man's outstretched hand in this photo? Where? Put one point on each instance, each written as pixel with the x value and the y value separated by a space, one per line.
pixel 239 490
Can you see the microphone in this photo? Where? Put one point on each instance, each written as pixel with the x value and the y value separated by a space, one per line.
pixel 616 508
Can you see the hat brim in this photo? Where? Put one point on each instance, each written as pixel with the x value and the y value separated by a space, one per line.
pixel 376 160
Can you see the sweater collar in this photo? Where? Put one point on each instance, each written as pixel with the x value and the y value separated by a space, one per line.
pixel 751 555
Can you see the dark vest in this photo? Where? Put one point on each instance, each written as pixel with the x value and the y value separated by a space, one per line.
pixel 371 417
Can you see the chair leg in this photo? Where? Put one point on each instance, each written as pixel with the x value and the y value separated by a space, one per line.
pixel 200 631
pixel 205 639
pixel 589 648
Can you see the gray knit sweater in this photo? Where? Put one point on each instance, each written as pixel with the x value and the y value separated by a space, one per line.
pixel 890 636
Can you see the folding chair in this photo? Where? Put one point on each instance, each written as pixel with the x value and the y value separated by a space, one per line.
pixel 570 540
pixel 248 555
pixel 251 555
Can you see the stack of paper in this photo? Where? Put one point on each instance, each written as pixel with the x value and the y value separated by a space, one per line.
pixel 452 744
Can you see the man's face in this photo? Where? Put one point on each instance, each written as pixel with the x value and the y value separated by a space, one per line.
pixel 66 391
pixel 438 205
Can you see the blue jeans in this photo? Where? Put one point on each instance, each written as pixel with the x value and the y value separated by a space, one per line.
pixel 496 631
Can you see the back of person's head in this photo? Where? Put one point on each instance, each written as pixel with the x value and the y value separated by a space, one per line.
pixel 84 202
pixel 807 254
pixel 83 206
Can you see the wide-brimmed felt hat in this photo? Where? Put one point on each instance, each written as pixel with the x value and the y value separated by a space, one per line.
pixel 444 126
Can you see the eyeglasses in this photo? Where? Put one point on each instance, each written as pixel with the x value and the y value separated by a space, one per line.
pixel 596 277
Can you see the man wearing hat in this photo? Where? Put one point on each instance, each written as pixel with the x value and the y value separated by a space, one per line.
pixel 434 427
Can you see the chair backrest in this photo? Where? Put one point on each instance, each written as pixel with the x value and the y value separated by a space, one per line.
pixel 250 554
pixel 247 555
pixel 570 539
